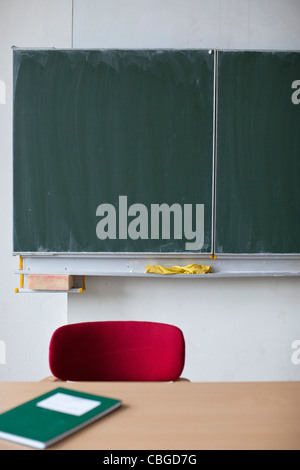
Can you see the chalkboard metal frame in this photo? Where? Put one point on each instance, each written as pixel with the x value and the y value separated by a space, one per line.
pixel 186 253
pixel 224 265
pixel 264 254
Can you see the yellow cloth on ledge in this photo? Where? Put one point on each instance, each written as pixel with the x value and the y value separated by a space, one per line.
pixel 189 269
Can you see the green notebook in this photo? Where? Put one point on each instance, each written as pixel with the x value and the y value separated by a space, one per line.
pixel 52 416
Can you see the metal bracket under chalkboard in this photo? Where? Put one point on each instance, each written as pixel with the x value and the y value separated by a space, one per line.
pixel 78 284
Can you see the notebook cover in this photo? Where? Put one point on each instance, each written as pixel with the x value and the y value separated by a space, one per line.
pixel 52 416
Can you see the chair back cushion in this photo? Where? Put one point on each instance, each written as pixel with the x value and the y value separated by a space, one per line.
pixel 117 351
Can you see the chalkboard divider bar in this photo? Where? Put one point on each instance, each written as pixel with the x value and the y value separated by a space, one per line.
pixel 214 169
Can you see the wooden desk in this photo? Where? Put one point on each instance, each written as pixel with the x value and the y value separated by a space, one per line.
pixel 185 416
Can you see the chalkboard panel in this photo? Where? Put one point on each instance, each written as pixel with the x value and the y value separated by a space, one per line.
pixel 258 156
pixel 96 132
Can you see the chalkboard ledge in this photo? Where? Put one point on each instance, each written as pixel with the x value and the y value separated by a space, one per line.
pixel 134 266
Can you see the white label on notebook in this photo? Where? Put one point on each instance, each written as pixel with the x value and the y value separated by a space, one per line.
pixel 68 404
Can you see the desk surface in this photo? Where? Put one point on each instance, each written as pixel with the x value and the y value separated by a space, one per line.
pixel 182 415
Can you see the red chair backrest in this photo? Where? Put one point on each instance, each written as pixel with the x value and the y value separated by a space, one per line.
pixel 117 351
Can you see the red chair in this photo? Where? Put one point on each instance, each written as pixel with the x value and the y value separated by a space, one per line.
pixel 117 351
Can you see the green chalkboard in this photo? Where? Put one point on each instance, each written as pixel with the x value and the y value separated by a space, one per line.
pixel 258 152
pixel 97 132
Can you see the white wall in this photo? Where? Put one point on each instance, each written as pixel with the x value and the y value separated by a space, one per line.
pixel 228 24
pixel 26 321
pixel 236 329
